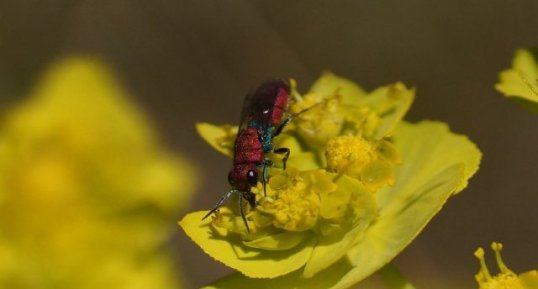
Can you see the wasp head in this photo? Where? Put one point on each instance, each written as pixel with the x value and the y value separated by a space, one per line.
pixel 243 176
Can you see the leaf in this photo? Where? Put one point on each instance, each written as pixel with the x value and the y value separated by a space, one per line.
pixel 230 251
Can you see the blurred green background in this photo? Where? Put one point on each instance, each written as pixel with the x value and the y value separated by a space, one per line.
pixel 189 61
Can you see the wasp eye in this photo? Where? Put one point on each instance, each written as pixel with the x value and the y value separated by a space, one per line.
pixel 252 177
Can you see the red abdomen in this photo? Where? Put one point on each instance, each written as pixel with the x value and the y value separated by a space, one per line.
pixel 247 148
pixel 281 102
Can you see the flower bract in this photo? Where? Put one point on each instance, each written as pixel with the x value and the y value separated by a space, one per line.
pixel 361 183
pixel 520 82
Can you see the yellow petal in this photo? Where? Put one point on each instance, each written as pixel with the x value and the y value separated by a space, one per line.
pixel 282 241
pixel 389 235
pixel 391 102
pixel 441 161
pixel 529 279
pixel 329 84
pixel 324 280
pixel 220 138
pixel 332 247
pixel 299 158
pixel 521 80
pixel 435 164
pixel 251 262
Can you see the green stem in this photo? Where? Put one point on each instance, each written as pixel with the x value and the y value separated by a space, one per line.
pixel 393 278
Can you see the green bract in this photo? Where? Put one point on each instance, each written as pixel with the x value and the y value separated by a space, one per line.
pixel 360 186
pixel 520 82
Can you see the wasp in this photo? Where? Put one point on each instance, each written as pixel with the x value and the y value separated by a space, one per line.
pixel 263 118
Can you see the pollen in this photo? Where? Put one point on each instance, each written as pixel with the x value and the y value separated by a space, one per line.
pixel 371 162
pixel 295 207
pixel 349 154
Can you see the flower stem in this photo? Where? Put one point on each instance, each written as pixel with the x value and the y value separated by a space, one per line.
pixel 393 278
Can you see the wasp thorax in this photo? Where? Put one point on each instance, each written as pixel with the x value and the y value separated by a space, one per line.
pixel 243 176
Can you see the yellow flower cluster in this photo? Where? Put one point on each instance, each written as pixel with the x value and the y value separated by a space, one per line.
pixel 359 185
pixel 336 133
pixel 505 279
pixel 297 204
pixel 323 121
pixel 85 187
pixel 363 159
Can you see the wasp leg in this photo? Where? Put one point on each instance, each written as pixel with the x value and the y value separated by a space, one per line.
pixel 241 210
pixel 251 199
pixel 285 152
pixel 265 177
pixel 287 120
pixel 219 203
pixel 281 126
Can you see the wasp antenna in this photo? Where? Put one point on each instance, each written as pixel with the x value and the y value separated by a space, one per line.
pixel 219 203
pixel 305 110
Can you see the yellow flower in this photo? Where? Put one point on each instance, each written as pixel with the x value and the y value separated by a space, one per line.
pixel 86 190
pixel 296 204
pixel 323 121
pixel 359 187
pixel 520 82
pixel 505 279
pixel 369 161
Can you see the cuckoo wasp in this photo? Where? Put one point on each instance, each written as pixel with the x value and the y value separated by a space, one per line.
pixel 263 117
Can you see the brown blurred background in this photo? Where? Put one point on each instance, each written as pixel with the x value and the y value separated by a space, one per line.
pixel 189 61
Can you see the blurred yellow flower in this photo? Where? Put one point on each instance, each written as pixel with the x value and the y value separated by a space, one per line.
pixel 86 190
pixel 360 184
pixel 505 279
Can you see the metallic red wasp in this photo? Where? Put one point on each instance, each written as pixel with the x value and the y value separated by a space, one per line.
pixel 262 119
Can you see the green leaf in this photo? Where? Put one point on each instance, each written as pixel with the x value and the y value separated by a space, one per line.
pixel 233 253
